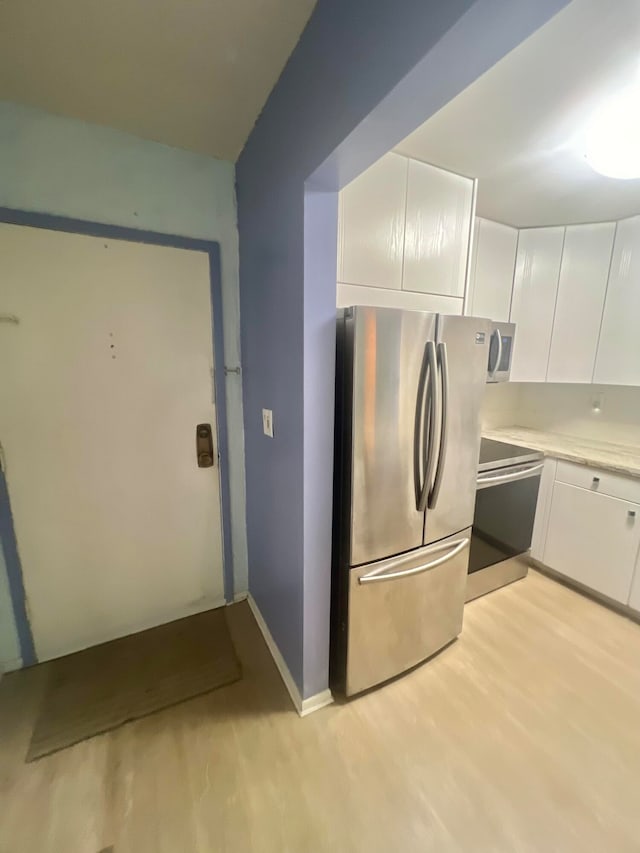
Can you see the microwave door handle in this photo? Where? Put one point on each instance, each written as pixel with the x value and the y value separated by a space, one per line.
pixel 499 356
pixel 514 476
pixel 443 363
pixel 428 434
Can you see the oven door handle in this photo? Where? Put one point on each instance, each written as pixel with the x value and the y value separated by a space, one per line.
pixel 514 476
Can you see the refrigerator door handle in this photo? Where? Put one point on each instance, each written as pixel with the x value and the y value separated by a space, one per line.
pixel 418 463
pixel 429 430
pixel 443 366
pixel 452 548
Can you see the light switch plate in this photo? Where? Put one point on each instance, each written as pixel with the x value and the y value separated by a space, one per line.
pixel 267 422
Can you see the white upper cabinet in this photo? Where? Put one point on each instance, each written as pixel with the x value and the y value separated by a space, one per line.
pixel 581 292
pixel 372 215
pixel 493 262
pixel 535 287
pixel 618 358
pixel 438 225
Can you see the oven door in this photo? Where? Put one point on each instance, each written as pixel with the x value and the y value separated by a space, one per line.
pixel 505 511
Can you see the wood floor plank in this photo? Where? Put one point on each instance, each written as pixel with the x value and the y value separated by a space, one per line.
pixel 521 736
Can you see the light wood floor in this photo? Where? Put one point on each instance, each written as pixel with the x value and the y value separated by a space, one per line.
pixel 522 736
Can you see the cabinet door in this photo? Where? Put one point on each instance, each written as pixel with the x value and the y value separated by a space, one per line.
pixel 593 539
pixel 618 359
pixel 535 286
pixel 438 225
pixel 371 225
pixel 584 272
pixel 493 266
pixel 378 297
pixel 634 597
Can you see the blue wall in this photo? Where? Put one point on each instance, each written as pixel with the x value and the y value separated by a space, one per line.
pixel 364 74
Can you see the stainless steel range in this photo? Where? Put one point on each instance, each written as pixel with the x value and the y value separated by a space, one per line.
pixel 506 497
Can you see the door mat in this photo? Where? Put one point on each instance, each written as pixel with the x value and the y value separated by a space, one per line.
pixel 101 688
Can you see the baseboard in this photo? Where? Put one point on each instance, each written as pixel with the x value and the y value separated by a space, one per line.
pixel 314 703
pixel 598 597
pixel 10 665
pixel 240 596
pixel 302 706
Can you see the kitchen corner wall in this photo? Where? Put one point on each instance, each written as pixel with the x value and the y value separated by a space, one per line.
pixel 567 409
pixel 66 167
pixel 362 77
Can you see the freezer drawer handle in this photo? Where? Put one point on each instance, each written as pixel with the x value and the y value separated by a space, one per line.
pixel 376 575
pixel 510 478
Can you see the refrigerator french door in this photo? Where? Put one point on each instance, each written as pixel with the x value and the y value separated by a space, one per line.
pixel 408 390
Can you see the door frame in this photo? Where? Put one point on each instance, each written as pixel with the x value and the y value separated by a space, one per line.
pixel 53 222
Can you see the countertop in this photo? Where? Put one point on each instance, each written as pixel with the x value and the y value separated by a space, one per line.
pixel 621 458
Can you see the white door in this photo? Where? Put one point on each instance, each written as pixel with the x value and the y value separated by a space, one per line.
pixel 535 286
pixel 584 272
pixel 618 359
pixel 103 382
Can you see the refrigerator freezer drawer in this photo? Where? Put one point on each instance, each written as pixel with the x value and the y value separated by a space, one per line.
pixel 403 610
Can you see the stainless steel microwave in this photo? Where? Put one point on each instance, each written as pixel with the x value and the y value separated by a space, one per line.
pixel 500 352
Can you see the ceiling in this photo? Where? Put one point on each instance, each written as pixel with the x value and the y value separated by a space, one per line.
pixel 520 128
pixel 190 73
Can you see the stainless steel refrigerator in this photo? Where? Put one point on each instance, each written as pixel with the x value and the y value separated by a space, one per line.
pixel 409 385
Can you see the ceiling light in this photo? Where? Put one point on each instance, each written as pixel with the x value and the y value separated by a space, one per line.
pixel 613 136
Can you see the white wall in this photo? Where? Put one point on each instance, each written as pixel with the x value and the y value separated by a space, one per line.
pixel 567 409
pixel 70 168
pixel 500 405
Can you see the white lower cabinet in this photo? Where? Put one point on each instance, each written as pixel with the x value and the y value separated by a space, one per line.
pixel 634 596
pixel 594 539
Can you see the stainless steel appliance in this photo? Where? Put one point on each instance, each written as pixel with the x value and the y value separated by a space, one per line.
pixel 408 394
pixel 500 352
pixel 506 498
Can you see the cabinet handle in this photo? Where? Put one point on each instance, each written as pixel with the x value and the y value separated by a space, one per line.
pixel 595 481
pixel 631 513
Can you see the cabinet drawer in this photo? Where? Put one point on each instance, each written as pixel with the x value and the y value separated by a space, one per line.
pixel 601 482
pixel 593 539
